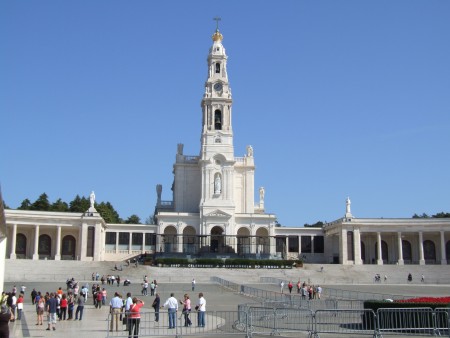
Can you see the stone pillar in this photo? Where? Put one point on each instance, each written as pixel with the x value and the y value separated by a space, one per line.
pixel 343 257
pixel 421 257
pixel 36 243
pixel 400 249
pixel 130 243
pixel 272 246
pixel 380 256
pixel 143 242
pixel 13 242
pixel 180 243
pixel 443 253
pixel 312 245
pixel 117 242
pixel 58 243
pixel 357 246
pixel 83 235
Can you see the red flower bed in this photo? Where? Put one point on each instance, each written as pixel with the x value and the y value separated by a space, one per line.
pixel 441 300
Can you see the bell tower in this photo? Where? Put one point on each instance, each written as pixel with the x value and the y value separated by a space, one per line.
pixel 217 150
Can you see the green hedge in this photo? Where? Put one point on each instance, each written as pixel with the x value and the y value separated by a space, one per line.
pixel 232 262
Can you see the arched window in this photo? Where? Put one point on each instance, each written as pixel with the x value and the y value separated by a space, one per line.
pixel 45 246
pixel 68 247
pixel 217 119
pixel 429 250
pixel 407 251
pixel 217 67
pixel 21 244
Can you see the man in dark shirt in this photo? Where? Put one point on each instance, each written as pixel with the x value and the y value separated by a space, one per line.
pixel 52 305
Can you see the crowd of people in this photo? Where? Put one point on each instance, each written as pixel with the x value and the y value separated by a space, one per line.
pixel 305 290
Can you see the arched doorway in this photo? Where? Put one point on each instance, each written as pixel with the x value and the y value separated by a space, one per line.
pixel 429 251
pixel 44 246
pixel 384 251
pixel 68 247
pixel 243 241
pixel 217 240
pixel 407 252
pixel 190 242
pixel 21 246
pixel 169 239
pixel 262 241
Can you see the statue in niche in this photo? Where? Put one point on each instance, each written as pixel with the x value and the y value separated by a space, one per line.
pixel 92 199
pixel 262 192
pixel 249 151
pixel 217 185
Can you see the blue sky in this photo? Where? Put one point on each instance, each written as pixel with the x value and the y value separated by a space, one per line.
pixel 337 98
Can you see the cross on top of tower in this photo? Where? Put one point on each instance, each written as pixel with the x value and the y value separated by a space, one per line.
pixel 217 19
pixel 217 36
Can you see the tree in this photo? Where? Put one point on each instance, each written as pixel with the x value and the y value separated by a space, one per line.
pixel 318 224
pixel 108 213
pixel 424 215
pixel 133 219
pixel 41 203
pixel 25 205
pixel 150 220
pixel 59 205
pixel 442 215
pixel 79 204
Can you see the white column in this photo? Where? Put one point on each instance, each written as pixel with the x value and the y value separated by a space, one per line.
pixel 443 253
pixel 421 257
pixel 36 243
pixel 117 242
pixel 58 243
pixel 343 257
pixel 143 242
pixel 400 249
pixel 130 242
pixel 272 247
pixel 312 244
pixel 357 246
pixel 380 257
pixel 13 242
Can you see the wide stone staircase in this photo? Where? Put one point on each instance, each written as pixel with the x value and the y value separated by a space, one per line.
pixel 59 271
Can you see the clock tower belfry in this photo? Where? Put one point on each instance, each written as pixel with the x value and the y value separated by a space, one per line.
pixel 217 150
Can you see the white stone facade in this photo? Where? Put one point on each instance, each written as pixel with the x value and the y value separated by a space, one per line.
pixel 214 213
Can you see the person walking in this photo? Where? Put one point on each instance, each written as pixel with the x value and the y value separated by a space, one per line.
pixel 134 318
pixel 40 308
pixel 156 304
pixel 52 304
pixel 201 308
pixel 19 304
pixel 193 284
pixel 186 310
pixel 80 308
pixel 63 307
pixel 115 307
pixel 172 308
pixel 127 305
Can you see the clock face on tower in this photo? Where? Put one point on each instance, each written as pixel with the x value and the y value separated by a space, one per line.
pixel 218 87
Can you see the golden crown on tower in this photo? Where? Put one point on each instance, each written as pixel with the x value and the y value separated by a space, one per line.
pixel 217 36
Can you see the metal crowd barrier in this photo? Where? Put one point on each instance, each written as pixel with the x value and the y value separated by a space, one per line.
pixel 345 322
pixel 409 321
pixel 342 294
pixel 252 320
pixel 217 323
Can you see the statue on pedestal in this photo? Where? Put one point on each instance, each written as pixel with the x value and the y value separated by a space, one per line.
pixel 92 199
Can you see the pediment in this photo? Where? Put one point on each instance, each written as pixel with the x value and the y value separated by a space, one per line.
pixel 218 214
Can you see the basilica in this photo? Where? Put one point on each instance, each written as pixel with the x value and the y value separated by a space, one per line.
pixel 214 212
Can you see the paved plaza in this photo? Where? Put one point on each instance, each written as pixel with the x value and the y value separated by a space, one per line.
pixel 94 323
